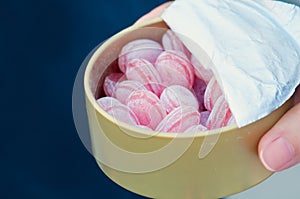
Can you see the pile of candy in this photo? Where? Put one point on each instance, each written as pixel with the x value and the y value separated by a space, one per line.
pixel 163 87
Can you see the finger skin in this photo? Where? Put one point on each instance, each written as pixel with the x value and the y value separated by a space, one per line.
pixel 279 149
pixel 156 12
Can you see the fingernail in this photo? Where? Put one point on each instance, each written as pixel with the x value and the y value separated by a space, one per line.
pixel 277 154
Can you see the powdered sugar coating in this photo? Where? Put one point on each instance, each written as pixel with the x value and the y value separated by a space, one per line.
pixel 175 69
pixel 175 96
pixel 111 81
pixel 118 110
pixel 171 41
pixel 124 114
pixel 231 121
pixel 140 48
pixel 220 114
pixel 179 120
pixel 212 93
pixel 196 129
pixel 107 102
pixel 147 108
pixel 144 72
pixel 200 71
pixel 164 90
pixel 125 88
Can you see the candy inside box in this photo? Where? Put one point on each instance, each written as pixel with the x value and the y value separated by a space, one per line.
pixel 210 164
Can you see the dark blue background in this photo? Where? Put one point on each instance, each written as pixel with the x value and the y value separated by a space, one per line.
pixel 43 44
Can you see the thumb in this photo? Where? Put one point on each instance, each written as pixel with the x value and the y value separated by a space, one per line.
pixel 279 149
pixel 156 12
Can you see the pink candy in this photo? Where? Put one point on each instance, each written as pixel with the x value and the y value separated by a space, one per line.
pixel 111 81
pixel 231 121
pixel 175 69
pixel 200 71
pixel 141 48
pixel 220 114
pixel 144 72
pixel 164 89
pixel 118 110
pixel 175 96
pixel 124 114
pixel 125 88
pixel 170 41
pixel 179 120
pixel 107 102
pixel 147 108
pixel 212 93
pixel 196 128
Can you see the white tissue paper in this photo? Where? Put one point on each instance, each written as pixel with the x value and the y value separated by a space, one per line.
pixel 253 47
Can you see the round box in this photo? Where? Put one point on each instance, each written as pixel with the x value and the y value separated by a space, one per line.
pixel 216 164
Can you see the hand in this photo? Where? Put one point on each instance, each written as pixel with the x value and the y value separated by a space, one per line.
pixel 279 148
pixel 156 12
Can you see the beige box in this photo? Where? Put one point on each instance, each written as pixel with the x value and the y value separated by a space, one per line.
pixel 168 165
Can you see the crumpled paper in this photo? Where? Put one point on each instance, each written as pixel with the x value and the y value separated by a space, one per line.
pixel 253 48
